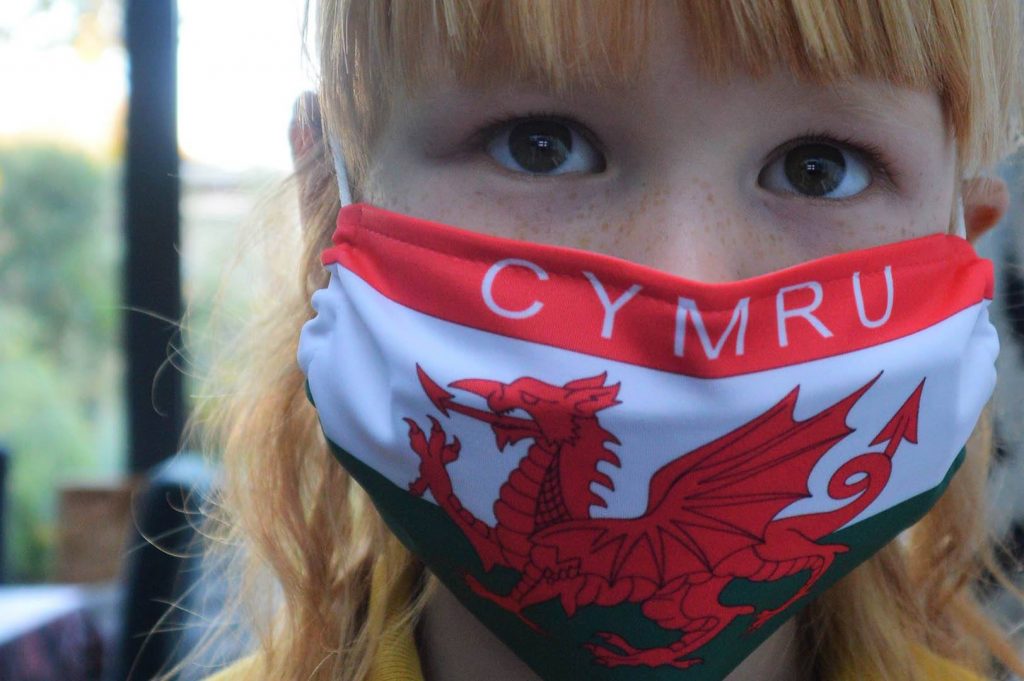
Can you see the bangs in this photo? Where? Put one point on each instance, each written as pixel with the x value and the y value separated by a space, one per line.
pixel 965 50
pixel 563 43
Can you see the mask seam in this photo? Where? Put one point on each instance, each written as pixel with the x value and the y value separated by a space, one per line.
pixel 656 295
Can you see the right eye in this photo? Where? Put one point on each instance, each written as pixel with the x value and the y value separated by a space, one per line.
pixel 821 168
pixel 543 146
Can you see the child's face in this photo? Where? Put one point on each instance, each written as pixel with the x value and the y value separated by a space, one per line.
pixel 709 181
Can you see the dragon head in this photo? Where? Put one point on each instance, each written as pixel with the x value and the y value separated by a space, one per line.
pixel 553 413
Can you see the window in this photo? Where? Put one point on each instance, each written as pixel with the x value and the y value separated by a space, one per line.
pixel 61 400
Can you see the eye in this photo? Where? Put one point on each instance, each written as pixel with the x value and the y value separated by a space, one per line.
pixel 819 169
pixel 543 146
pixel 529 398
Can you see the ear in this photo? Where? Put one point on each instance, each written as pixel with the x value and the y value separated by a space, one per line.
pixel 589 401
pixel 305 136
pixel 592 382
pixel 985 202
pixel 304 132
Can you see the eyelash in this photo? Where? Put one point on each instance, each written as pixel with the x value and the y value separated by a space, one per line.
pixel 874 155
pixel 871 153
pixel 492 125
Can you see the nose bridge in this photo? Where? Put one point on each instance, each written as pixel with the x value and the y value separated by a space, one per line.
pixel 692 226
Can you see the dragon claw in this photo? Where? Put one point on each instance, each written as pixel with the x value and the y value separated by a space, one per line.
pixel 636 657
pixel 761 619
pixel 617 641
pixel 437 435
pixel 434 453
pixel 507 602
pixel 451 452
pixel 416 436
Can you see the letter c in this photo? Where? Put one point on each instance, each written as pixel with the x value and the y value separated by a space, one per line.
pixel 488 285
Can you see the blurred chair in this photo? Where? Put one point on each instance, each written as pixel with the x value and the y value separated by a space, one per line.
pixel 166 594
pixel 4 458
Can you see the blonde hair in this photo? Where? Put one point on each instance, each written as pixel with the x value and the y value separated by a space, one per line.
pixel 300 522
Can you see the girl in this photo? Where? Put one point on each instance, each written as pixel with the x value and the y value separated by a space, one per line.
pixel 697 269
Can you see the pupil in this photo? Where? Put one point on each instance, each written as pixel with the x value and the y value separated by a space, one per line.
pixel 815 169
pixel 540 146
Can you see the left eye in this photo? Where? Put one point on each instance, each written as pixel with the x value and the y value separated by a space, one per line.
pixel 538 146
pixel 819 170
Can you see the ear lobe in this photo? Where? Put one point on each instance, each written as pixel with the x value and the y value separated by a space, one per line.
pixel 305 135
pixel 986 200
pixel 305 130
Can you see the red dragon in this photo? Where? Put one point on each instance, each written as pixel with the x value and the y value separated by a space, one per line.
pixel 710 518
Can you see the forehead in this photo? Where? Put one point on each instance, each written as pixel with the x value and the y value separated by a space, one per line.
pixel 668 76
pixel 662 68
pixel 377 50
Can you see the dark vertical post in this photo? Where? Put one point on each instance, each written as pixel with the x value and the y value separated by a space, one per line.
pixel 152 273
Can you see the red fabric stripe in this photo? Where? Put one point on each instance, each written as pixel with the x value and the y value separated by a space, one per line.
pixel 440 270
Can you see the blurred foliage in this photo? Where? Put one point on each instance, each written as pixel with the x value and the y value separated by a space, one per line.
pixel 50 203
pixel 91 22
pixel 59 363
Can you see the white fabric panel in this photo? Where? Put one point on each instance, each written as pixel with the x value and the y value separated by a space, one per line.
pixel 360 355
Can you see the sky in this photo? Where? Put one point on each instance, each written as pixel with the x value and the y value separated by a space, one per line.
pixel 240 68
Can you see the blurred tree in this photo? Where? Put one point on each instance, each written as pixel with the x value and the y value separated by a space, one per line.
pixel 49 440
pixel 87 24
pixel 53 252
pixel 58 350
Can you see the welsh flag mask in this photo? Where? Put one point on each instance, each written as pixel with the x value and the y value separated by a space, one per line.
pixel 630 475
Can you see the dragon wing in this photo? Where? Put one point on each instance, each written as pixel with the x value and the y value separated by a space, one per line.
pixel 710 502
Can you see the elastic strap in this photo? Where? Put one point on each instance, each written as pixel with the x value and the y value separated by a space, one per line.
pixel 961 224
pixel 344 191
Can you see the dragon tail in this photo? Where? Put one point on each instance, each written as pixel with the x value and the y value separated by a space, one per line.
pixel 875 469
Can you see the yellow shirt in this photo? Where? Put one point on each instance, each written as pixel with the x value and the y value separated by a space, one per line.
pixel 398 661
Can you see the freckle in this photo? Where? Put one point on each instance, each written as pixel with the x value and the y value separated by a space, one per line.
pixel 759 254
pixel 605 226
pixel 711 198
pixel 572 196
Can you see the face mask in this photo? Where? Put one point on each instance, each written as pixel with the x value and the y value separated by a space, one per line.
pixel 630 475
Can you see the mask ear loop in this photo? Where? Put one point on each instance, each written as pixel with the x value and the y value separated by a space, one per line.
pixel 344 191
pixel 961 224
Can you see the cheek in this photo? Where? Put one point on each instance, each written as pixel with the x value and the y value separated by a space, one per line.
pixel 403 182
pixel 925 201
pixel 560 216
pixel 934 212
pixel 390 190
pixel 920 207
